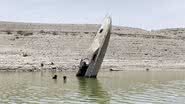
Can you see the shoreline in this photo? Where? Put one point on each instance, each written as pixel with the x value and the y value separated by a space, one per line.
pixel 25 46
pixel 57 69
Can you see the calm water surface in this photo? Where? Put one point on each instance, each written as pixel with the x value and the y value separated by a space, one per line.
pixel 129 87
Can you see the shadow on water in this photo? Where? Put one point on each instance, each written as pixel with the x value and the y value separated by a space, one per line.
pixel 92 88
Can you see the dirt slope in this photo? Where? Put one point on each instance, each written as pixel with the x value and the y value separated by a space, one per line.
pixel 24 46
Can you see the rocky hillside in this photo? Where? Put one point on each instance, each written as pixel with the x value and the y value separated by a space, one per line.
pixel 27 46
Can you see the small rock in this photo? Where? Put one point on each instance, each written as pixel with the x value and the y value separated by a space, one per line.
pixel 111 69
pixel 147 69
pixel 52 63
pixel 41 64
pixel 31 70
pixel 54 67
pixel 25 55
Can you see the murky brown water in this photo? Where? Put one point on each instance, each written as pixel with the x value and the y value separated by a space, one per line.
pixel 130 87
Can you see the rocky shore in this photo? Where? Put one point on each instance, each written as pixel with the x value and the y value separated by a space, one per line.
pixel 34 47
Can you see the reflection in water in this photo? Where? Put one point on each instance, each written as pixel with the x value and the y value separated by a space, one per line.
pixel 92 88
pixel 110 87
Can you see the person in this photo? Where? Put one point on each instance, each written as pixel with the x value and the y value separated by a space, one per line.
pixel 64 77
pixel 55 77
pixel 83 67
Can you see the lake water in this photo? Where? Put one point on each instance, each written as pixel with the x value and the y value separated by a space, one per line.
pixel 129 87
